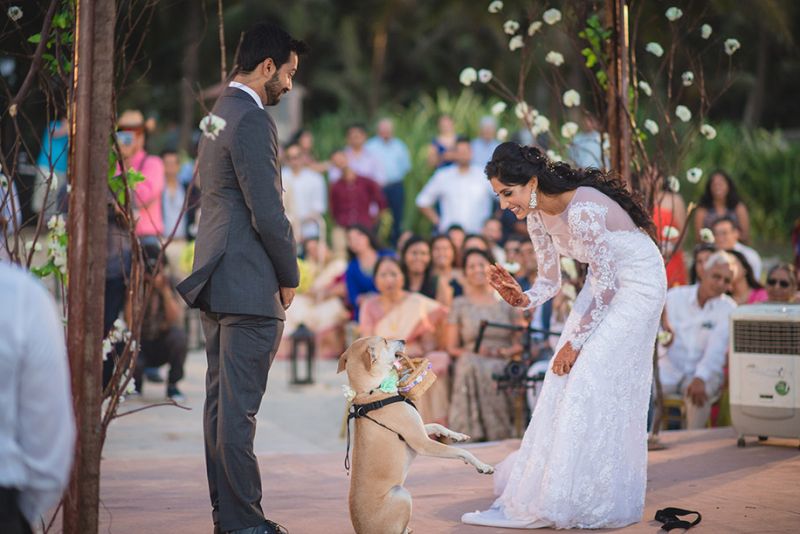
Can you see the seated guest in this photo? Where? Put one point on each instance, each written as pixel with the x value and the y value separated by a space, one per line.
pixel 415 260
pixel 364 254
pixel 444 257
pixel 782 284
pixel 395 313
pixel 720 199
pixel 745 289
pixel 477 408
pixel 476 241
pixel 540 315
pixel 493 232
pixel 702 251
pixel 457 235
pixel 511 248
pixel 163 338
pixel 726 237
pixel 697 316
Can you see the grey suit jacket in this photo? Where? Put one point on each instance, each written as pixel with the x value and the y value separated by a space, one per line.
pixel 245 250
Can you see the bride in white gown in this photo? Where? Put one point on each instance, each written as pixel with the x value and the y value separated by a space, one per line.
pixel 583 459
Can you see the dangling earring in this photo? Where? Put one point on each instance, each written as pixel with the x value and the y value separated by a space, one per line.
pixel 534 201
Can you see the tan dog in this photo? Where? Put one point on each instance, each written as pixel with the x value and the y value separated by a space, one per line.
pixel 379 504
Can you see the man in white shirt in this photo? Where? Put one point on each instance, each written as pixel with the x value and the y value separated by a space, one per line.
pixel 307 194
pixel 698 317
pixel 393 155
pixel 37 426
pixel 359 159
pixel 726 237
pixel 464 195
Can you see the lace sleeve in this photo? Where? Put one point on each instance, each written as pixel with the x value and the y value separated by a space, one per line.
pixel 548 281
pixel 587 224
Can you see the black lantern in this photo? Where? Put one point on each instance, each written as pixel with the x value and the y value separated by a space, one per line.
pixel 303 346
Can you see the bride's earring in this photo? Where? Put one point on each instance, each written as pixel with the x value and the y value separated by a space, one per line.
pixel 534 201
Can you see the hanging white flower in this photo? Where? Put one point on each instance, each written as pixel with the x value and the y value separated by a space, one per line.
pixel 14 13
pixel 655 49
pixel 708 131
pixel 522 110
pixel 554 58
pixel 502 134
pixel 694 174
pixel 534 27
pixel 551 16
pixel 705 31
pixel 731 46
pixel 484 75
pixel 568 267
pixel 670 232
pixel 541 124
pixel 212 125
pixel 515 43
pixel 706 235
pixel 688 78
pixel 673 183
pixel 107 347
pixel 651 126
pixel 673 14
pixel 571 98
pixel 30 245
pixel 569 129
pixel 511 27
pixel 468 76
pixel 568 290
pixel 496 6
pixel 552 156
pixel 498 108
pixel 683 113
pixel 645 87
pixel 57 224
pixel 131 387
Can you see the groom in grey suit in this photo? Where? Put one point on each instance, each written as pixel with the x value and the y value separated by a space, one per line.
pixel 245 271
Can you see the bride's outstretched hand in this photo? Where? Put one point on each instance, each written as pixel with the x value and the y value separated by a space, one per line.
pixel 565 359
pixel 507 286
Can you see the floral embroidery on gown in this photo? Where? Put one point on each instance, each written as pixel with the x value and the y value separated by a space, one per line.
pixel 583 460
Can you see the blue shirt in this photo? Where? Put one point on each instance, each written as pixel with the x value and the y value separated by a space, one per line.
pixel 393 154
pixel 53 154
pixel 358 282
pixel 482 151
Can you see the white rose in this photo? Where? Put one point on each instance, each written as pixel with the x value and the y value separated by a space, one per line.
pixel 645 87
pixel 522 110
pixel 554 58
pixel 535 26
pixel 511 27
pixel 551 16
pixel 673 183
pixel 485 75
pixel 651 126
pixel 107 347
pixel 14 13
pixel 673 14
pixel 468 76
pixel 569 129
pixel 664 337
pixel 731 46
pixel 496 6
pixel 212 125
pixel 655 49
pixel 515 43
pixel 572 98
pixel 512 267
pixel 705 31
pixel 708 131
pixel 670 232
pixel 694 174
pixel 706 235
pixel 502 134
pixel 541 124
pixel 498 108
pixel 552 156
pixel 688 78
pixel 683 113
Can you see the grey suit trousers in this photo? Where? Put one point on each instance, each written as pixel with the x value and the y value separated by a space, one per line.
pixel 240 350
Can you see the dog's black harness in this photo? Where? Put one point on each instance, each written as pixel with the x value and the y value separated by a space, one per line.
pixel 361 410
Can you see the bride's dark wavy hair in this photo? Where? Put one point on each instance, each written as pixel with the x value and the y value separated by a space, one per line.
pixel 515 164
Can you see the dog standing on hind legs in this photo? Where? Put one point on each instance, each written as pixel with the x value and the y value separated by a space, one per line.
pixel 388 435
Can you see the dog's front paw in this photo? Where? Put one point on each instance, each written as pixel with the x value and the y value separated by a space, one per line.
pixel 485 469
pixel 455 436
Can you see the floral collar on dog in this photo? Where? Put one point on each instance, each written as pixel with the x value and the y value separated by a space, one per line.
pixel 388 385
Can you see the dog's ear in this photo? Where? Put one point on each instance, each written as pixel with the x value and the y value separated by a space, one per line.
pixel 343 361
pixel 369 356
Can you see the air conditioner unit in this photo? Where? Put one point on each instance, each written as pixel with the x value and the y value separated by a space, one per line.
pixel 764 371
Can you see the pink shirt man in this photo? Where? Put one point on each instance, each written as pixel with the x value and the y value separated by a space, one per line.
pixel 148 194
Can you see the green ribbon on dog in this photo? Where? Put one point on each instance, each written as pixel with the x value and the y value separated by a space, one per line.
pixel 389 384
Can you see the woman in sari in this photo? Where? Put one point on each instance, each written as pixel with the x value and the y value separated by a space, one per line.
pixel 395 313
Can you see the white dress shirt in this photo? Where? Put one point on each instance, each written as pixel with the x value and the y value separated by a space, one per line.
pixel 465 197
pixel 308 197
pixel 249 91
pixel 700 340
pixel 752 258
pixel 37 428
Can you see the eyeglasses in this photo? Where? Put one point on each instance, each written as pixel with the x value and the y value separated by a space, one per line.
pixel 774 282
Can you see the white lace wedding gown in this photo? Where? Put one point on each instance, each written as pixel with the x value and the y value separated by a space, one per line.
pixel 583 459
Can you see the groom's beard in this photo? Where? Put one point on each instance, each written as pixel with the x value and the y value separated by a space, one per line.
pixel 273 90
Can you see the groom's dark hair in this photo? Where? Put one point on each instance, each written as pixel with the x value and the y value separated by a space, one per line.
pixel 266 40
